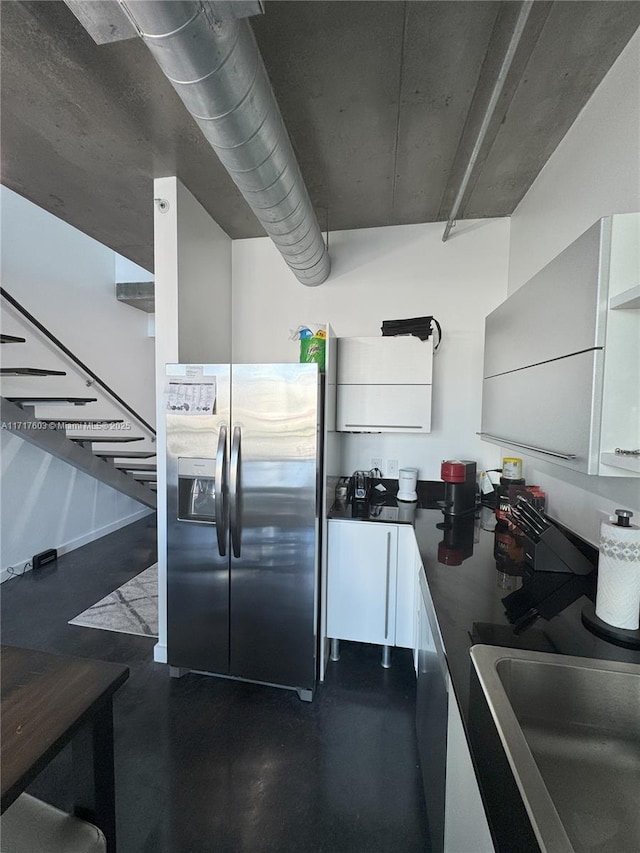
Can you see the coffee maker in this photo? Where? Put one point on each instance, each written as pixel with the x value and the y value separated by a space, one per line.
pixel 359 489
pixel 459 476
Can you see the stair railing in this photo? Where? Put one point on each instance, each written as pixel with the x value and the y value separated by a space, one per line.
pixel 74 358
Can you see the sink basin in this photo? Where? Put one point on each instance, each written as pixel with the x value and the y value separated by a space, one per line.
pixel 570 728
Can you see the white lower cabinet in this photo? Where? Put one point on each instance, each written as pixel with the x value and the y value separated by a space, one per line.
pixel 406 588
pixel 377 593
pixel 465 824
pixel 361 582
pixel 457 820
pixel 371 583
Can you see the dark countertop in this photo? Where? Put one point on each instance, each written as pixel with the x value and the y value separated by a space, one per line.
pixel 471 601
pixel 383 506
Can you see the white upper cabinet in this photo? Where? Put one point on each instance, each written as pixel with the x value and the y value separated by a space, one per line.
pixel 550 409
pixel 384 384
pixel 562 356
pixel 557 312
pixel 404 360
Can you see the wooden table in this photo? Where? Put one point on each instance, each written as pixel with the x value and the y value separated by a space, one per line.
pixel 47 701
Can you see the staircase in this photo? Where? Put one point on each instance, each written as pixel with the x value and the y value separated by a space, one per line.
pixel 93 443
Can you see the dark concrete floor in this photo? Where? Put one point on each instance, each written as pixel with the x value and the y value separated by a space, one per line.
pixel 207 765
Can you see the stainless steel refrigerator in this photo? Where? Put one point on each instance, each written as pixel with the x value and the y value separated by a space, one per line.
pixel 243 474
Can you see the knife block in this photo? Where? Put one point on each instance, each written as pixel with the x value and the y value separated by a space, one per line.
pixel 554 553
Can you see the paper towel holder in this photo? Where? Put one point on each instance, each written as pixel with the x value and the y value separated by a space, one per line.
pixel 624 517
pixel 624 637
pixel 618 636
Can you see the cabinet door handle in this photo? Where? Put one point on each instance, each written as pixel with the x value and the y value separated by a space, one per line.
pixel 386 603
pixel 384 426
pixel 555 453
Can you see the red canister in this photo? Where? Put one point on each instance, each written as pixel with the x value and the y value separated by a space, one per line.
pixel 453 471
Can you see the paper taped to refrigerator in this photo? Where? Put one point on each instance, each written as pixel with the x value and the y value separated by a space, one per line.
pixel 188 397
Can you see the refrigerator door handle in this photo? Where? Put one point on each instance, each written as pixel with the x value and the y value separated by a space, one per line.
pixel 222 519
pixel 235 486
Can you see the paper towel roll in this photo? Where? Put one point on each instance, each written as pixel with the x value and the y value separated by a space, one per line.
pixel 618 593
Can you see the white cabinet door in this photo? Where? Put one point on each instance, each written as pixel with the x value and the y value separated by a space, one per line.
pixel 383 408
pixel 403 360
pixel 419 615
pixel 406 583
pixel 361 582
pixel 549 410
pixel 465 824
pixel 557 312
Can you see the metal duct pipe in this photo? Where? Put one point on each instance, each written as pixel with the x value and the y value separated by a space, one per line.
pixel 216 69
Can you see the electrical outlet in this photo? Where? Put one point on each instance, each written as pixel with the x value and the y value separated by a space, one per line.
pixel 376 462
pixel 392 468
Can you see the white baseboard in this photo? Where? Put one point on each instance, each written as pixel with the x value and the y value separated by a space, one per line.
pixel 79 541
pixel 160 653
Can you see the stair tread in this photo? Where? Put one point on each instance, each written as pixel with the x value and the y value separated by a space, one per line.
pixel 35 401
pixel 105 439
pixel 30 371
pixel 144 478
pixel 125 454
pixel 138 466
pixel 55 442
pixel 12 339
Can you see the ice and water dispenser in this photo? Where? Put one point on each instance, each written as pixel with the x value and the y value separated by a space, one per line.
pixel 197 489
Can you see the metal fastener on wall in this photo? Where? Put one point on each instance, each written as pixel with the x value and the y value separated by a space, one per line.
pixel 488 115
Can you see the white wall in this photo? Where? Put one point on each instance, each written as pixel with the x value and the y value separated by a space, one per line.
pixel 46 503
pixel 193 321
pixel 384 274
pixel 594 172
pixel 204 275
pixel 67 281
pixel 126 270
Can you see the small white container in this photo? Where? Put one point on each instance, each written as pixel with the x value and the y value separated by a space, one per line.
pixel 407 479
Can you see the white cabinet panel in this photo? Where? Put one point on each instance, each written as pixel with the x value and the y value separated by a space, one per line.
pixel 549 410
pixel 361 583
pixel 457 820
pixel 383 408
pixel 465 824
pixel 406 582
pixel 404 360
pixel 372 583
pixel 556 313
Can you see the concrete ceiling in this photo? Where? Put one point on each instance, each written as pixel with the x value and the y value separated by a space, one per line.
pixel 382 100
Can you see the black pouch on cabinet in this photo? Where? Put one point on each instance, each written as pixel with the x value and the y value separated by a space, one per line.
pixel 420 327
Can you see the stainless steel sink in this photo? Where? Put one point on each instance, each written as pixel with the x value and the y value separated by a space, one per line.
pixel 570 727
